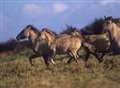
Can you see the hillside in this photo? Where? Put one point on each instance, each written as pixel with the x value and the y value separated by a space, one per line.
pixel 17 73
pixel 12 47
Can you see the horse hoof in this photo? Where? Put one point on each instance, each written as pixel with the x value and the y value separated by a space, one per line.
pixel 87 66
pixel 53 63
pixel 32 65
pixel 68 62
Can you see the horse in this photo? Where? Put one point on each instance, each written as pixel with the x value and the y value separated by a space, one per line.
pixel 69 44
pixel 39 46
pixel 101 42
pixel 62 43
pixel 96 44
pixel 114 33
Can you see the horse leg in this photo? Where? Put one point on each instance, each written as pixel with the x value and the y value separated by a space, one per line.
pixel 32 57
pixel 52 61
pixel 53 56
pixel 46 58
pixel 86 58
pixel 69 61
pixel 99 57
pixel 74 55
pixel 70 57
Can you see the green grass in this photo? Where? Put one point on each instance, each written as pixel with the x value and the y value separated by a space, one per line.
pixel 22 54
pixel 16 72
pixel 8 58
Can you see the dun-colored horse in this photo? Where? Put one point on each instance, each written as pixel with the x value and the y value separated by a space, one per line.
pixel 101 42
pixel 63 44
pixel 97 45
pixel 39 46
pixel 114 33
pixel 69 44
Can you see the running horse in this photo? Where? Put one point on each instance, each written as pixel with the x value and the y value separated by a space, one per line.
pixel 114 33
pixel 39 46
pixel 97 45
pixel 101 42
pixel 62 43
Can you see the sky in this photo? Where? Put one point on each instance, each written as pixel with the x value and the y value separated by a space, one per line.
pixel 54 14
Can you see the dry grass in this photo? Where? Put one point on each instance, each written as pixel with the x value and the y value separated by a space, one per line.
pixel 19 74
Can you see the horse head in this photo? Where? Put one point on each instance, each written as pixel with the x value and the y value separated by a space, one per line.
pixel 24 33
pixel 29 32
pixel 48 35
pixel 108 23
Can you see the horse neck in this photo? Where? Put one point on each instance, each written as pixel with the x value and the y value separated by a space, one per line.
pixel 33 36
pixel 78 35
pixel 114 31
pixel 50 38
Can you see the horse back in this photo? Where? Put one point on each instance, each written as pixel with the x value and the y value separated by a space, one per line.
pixel 101 41
pixel 66 43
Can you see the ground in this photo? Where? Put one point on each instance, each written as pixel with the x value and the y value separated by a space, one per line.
pixel 16 72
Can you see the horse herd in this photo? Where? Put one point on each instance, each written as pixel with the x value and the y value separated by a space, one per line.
pixel 47 43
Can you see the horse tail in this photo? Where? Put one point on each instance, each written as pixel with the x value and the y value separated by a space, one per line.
pixel 89 47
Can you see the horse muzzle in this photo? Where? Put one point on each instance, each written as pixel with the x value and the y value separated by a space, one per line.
pixel 20 37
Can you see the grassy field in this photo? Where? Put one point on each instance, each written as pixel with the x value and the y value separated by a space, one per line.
pixel 16 72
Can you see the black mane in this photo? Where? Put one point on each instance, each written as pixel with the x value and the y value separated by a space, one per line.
pixel 69 30
pixel 49 31
pixel 95 27
pixel 33 27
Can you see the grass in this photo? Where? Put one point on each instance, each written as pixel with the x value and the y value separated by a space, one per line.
pixel 16 72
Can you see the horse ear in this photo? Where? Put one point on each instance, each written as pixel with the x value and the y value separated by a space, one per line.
pixel 30 27
pixel 45 29
pixel 105 17
pixel 111 18
pixel 108 18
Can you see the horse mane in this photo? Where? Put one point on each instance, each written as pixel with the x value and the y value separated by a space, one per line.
pixel 33 28
pixel 95 27
pixel 71 31
pixel 114 20
pixel 49 31
pixel 117 21
pixel 108 18
pixel 118 24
